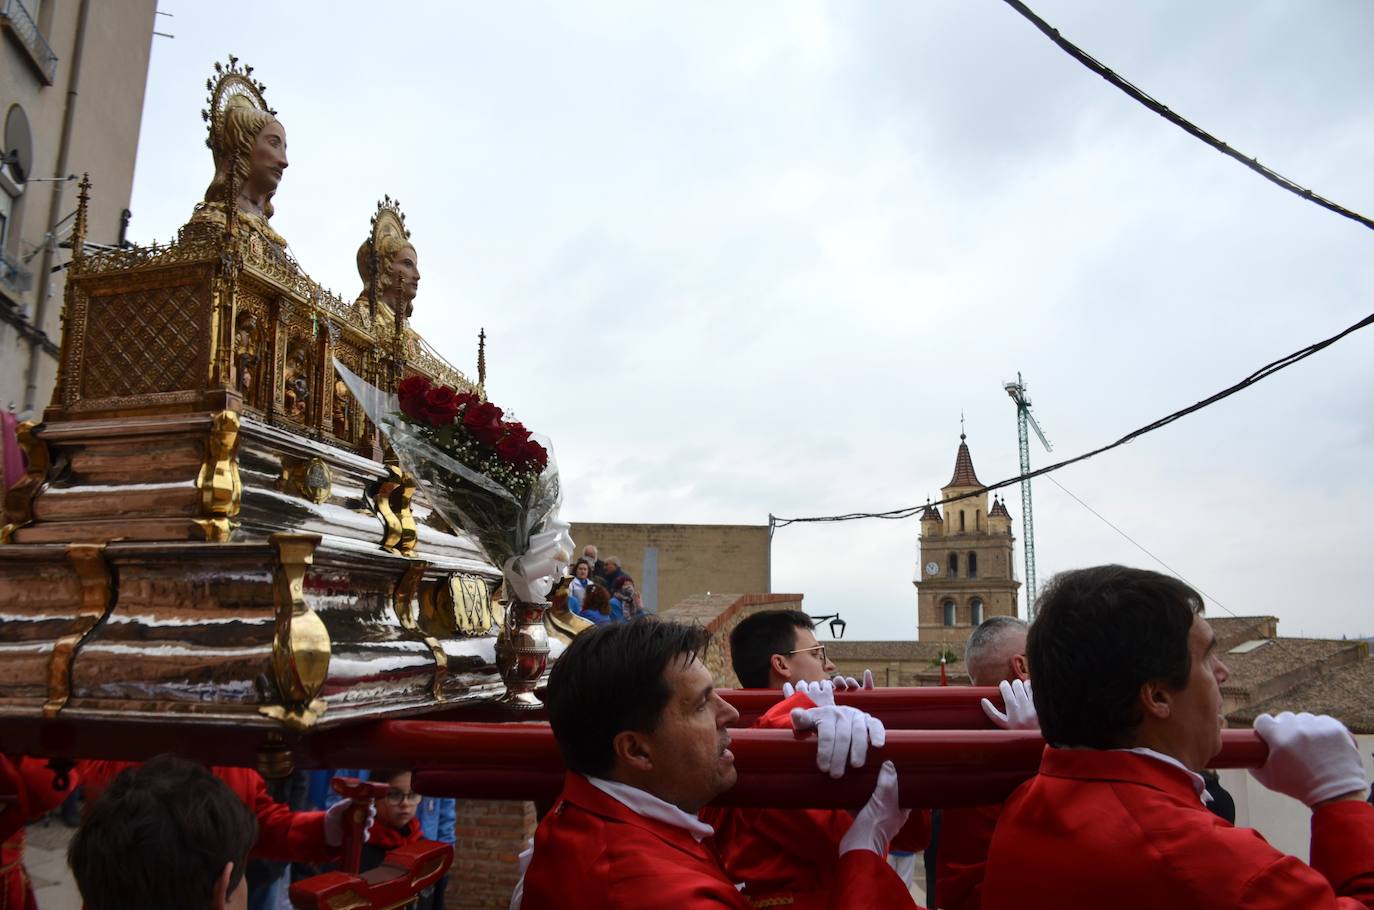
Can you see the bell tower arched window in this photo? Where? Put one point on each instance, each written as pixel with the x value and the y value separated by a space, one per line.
pixel 975 609
pixel 949 612
pixel 973 565
pixel 954 565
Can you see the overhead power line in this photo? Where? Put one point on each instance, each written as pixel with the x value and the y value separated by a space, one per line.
pixel 1263 372
pixel 1187 126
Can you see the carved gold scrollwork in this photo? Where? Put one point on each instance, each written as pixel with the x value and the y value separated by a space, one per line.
pixel 221 491
pixel 96 600
pixel 392 529
pixel 406 587
pixel 19 498
pixel 300 648
pixel 400 507
pixel 309 478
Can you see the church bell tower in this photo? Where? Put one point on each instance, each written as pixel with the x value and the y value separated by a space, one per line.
pixel 966 569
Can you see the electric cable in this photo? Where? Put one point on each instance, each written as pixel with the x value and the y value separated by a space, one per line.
pixel 1187 126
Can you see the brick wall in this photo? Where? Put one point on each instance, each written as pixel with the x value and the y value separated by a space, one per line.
pixel 489 836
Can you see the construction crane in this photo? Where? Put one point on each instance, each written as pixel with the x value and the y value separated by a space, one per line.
pixel 1024 418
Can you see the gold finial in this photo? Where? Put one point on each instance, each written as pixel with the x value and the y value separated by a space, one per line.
pixel 482 358
pixel 83 201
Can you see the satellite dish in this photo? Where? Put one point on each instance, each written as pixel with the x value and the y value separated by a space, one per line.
pixel 18 148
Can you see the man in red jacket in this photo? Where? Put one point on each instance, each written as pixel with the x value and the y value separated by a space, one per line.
pixel 1128 692
pixel 995 654
pixel 166 835
pixel 643 734
pixel 787 857
pixel 283 835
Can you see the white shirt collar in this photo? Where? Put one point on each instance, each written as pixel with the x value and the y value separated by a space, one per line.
pixel 1199 784
pixel 641 802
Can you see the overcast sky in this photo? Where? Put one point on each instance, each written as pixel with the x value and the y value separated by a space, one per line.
pixel 748 258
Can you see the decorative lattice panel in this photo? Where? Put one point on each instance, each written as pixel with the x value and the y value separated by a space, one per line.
pixel 142 342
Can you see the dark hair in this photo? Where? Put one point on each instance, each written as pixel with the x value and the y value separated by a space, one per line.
pixel 627 660
pixel 757 638
pixel 597 598
pixel 158 839
pixel 1099 635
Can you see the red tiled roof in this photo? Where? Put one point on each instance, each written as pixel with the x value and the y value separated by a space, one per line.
pixel 999 508
pixel 963 468
pixel 931 512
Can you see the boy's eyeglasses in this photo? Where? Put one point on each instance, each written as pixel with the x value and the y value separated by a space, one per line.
pixel 396 797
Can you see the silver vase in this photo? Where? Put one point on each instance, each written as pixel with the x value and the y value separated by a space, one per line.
pixel 522 653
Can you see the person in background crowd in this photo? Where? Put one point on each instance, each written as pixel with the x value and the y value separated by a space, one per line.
pixel 578 587
pixel 269 880
pixel 164 835
pixel 787 857
pixel 597 606
pixel 611 573
pixel 598 568
pixel 1128 693
pixel 624 832
pixel 626 600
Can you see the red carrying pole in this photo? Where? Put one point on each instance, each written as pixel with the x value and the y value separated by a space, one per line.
pixel 935 768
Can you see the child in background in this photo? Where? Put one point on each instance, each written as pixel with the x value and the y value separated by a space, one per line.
pixel 396 822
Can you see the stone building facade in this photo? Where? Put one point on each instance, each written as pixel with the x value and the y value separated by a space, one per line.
pixel 671 563
pixel 966 571
pixel 72 80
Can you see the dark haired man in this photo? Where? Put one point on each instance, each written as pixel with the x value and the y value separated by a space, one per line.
pixel 787 857
pixel 1128 692
pixel 165 835
pixel 643 734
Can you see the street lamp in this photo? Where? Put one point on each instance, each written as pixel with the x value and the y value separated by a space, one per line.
pixel 837 625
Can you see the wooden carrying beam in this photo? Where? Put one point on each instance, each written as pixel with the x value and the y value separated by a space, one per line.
pixel 521 761
pixel 907 708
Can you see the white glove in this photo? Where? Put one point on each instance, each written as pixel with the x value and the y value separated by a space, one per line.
pixel 844 683
pixel 1312 757
pixel 880 819
pixel 1020 714
pixel 517 896
pixel 334 821
pixel 842 734
pixel 821 692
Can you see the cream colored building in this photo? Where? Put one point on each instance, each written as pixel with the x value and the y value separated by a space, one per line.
pixel 671 563
pixel 72 80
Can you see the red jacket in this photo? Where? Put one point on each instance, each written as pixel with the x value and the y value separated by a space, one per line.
pixel 26 793
pixel 961 860
pixel 1099 829
pixel 592 852
pixel 283 835
pixel 792 855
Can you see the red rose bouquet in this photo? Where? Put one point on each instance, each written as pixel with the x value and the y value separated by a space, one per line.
pixel 483 473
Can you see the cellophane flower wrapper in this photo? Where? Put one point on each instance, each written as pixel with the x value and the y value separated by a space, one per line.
pixel 523 534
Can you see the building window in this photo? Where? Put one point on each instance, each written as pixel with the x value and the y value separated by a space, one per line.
pixel 961 521
pixel 978 520
pixel 973 565
pixel 949 612
pixel 954 565
pixel 975 609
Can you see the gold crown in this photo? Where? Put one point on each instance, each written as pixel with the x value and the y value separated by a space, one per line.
pixel 229 82
pixel 389 219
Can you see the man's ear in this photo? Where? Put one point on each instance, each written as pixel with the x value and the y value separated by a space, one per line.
pixel 220 896
pixel 1020 667
pixel 778 664
pixel 633 751
pixel 1156 700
